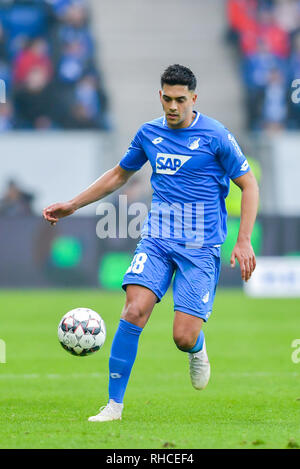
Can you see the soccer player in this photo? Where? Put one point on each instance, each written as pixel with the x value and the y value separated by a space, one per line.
pixel 193 158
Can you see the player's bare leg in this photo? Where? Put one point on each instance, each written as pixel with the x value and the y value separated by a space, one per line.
pixel 139 304
pixel 188 336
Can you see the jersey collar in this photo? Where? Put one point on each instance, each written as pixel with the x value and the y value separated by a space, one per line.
pixel 184 128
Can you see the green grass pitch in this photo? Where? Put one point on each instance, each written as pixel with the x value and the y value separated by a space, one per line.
pixel 252 400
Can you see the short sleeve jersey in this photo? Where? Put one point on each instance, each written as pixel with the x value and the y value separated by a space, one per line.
pixel 192 168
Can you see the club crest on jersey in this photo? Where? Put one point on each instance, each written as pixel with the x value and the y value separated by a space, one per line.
pixel 194 143
pixel 169 164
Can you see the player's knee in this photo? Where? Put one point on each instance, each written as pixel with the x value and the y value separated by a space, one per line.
pixel 184 342
pixel 133 313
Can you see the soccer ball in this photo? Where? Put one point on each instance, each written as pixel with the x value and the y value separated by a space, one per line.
pixel 81 331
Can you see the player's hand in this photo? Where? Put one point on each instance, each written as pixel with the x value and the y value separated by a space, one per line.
pixel 56 211
pixel 244 253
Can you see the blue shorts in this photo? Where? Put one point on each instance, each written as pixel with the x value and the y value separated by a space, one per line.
pixel 196 273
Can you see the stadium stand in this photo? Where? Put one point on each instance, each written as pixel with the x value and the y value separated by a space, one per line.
pixel 266 34
pixel 47 63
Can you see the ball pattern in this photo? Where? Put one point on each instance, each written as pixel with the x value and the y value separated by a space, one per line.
pixel 81 331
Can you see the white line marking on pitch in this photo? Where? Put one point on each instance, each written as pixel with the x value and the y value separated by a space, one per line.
pixel 50 375
pixel 98 375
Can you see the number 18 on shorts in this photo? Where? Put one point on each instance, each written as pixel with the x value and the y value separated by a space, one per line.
pixel 195 271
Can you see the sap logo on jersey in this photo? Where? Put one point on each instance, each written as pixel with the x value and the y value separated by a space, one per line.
pixel 170 164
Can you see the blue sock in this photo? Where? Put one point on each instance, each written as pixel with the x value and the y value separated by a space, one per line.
pixel 199 344
pixel 122 356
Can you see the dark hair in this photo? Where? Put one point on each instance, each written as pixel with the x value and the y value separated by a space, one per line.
pixel 179 75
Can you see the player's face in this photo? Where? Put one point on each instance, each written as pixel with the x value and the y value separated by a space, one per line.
pixel 178 103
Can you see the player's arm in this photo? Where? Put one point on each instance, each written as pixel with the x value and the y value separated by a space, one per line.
pixel 103 186
pixel 243 250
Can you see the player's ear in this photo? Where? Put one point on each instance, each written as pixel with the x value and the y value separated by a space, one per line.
pixel 195 96
pixel 160 94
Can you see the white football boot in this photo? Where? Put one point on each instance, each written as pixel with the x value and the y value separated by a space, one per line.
pixel 112 411
pixel 199 368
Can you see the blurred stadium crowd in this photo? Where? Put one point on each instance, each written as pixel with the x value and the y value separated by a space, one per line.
pixel 266 34
pixel 15 201
pixel 47 63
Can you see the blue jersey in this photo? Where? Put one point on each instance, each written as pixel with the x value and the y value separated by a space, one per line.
pixel 192 168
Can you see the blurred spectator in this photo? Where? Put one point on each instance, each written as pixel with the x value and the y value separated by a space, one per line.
pixel 256 66
pixel 242 17
pixel 74 43
pixel 15 202
pixel 87 103
pixel 59 7
pixel 256 73
pixel 274 113
pixel 35 101
pixel 73 62
pixel 272 34
pixel 295 59
pixel 34 55
pixel 266 30
pixel 86 109
pixel 22 21
pixel 75 14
